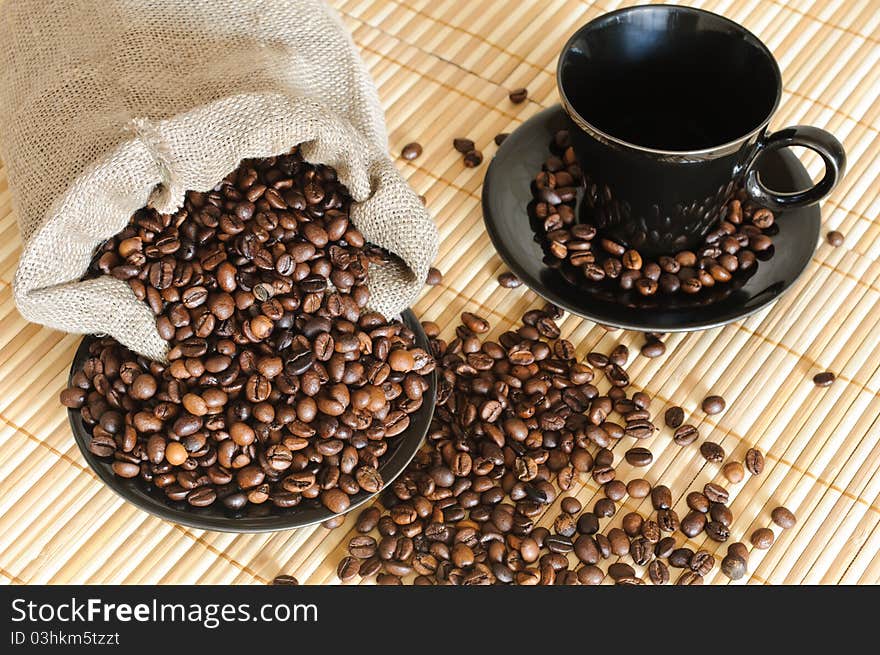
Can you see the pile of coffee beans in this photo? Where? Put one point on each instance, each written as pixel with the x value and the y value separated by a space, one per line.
pixel 734 246
pixel 279 385
pixel 468 149
pixel 519 420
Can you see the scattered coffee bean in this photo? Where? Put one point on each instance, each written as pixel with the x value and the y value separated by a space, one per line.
pixel 713 405
pixel 674 416
pixel 500 138
pixel 685 435
pixel 733 471
pixel 463 145
pixel 411 151
pixel 434 278
pixel 783 517
pixel 508 280
pixel 286 580
pixel 519 95
pixel 658 572
pixel 653 349
pixel 639 457
pixel 733 567
pixel 762 538
pixel 712 451
pixel 835 238
pixel 754 461
pixel 824 379
pixel 473 158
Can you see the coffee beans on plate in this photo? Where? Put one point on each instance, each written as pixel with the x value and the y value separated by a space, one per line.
pixel 727 255
pixel 279 387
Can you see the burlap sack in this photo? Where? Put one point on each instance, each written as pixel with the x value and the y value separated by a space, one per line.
pixel 110 105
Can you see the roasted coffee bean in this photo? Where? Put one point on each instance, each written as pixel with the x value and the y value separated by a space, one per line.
pixel 658 572
pixel 715 493
pixel 733 567
pixel 463 145
pixel 286 580
pixel 348 569
pixel 674 416
pixel 473 158
pixel 661 497
pixel 717 531
pixel 508 280
pixel 701 563
pixel 638 488
pixel 754 461
pixel 712 451
pixel 721 514
pixel 685 435
pixel 824 379
pixel 639 457
pixel 835 238
pixel 500 138
pixel 434 277
pixel 733 471
pixel 654 349
pixel 693 524
pixel 698 502
pixel 783 517
pixel 762 538
pixel 713 405
pixel 518 95
pixel 680 557
pixel 411 150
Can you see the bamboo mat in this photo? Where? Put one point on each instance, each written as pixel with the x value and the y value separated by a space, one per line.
pixel 443 68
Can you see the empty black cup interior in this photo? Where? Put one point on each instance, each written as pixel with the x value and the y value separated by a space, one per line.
pixel 669 78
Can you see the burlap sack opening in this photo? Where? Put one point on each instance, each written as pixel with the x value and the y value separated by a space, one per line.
pixel 108 107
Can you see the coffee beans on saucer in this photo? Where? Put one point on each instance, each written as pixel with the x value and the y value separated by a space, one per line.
pixel 734 247
pixel 279 385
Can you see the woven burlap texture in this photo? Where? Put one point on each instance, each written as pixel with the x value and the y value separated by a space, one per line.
pixel 109 106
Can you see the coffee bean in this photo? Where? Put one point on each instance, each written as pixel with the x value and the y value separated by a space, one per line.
pixel 733 471
pixel 508 280
pixel 411 151
pixel 824 379
pixel 715 493
pixel 689 578
pixel 721 513
pixel 473 158
pixel 654 349
pixel 674 417
pixel 348 569
pixel 685 435
pixel 783 517
pixel 713 405
pixel 693 524
pixel 570 505
pixel 680 557
pixel 717 531
pixel 463 145
pixel 286 580
pixel 733 567
pixel 754 461
pixel 435 277
pixel 518 95
pixel 762 538
pixel 835 238
pixel 661 497
pixel 501 138
pixel 698 502
pixel 712 451
pixel 638 488
pixel 658 572
pixel 739 549
pixel 639 457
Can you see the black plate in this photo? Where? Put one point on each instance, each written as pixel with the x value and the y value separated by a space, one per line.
pixel 256 518
pixel 507 194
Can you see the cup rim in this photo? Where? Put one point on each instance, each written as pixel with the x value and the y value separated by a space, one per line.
pixel 722 147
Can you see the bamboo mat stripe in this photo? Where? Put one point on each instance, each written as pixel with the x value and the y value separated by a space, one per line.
pixel 443 69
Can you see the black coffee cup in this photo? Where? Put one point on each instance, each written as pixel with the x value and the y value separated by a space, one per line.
pixel 673 105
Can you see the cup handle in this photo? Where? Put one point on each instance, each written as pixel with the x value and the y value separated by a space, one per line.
pixel 818 140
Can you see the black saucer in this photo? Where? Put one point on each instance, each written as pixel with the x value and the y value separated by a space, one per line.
pixel 507 194
pixel 265 517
